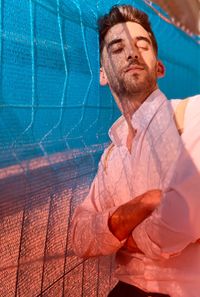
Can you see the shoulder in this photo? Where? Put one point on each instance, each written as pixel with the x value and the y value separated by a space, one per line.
pixel 186 112
pixel 192 113
pixel 193 103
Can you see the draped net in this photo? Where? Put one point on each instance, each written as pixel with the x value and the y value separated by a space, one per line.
pixel 54 120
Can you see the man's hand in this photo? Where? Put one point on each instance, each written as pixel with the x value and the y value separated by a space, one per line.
pixel 130 214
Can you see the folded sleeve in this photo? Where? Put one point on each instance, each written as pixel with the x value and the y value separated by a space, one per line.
pixel 90 232
pixel 175 223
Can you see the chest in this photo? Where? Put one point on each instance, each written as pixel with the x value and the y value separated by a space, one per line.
pixel 149 165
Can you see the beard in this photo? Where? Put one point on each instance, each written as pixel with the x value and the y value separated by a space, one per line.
pixel 130 84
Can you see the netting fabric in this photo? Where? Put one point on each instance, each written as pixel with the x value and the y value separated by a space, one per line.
pixel 54 119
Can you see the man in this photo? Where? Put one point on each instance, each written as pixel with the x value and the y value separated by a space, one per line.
pixel 144 202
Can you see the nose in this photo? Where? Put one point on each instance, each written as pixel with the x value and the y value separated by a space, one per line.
pixel 132 53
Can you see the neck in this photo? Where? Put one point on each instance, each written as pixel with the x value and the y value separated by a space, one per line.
pixel 129 105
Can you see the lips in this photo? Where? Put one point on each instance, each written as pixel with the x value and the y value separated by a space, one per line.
pixel 134 68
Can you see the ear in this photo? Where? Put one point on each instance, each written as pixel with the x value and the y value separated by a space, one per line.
pixel 160 69
pixel 103 77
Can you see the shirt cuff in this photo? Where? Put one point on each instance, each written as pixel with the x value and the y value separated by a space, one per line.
pixel 146 244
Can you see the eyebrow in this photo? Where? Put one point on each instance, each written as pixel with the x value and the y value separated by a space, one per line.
pixel 120 40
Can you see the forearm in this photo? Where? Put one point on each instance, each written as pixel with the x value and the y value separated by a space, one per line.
pixel 129 215
pixel 175 223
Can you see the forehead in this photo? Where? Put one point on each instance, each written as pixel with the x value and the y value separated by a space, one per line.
pixel 128 30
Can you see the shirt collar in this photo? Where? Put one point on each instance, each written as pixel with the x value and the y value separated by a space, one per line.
pixel 140 119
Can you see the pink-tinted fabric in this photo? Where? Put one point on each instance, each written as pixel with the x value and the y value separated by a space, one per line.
pixel 160 159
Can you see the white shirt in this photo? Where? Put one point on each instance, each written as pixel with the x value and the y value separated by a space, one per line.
pixel 159 159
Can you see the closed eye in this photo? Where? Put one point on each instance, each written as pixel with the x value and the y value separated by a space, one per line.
pixel 142 44
pixel 117 50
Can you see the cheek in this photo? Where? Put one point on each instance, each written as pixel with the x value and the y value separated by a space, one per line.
pixel 115 66
pixel 150 60
pixel 117 60
pixel 151 64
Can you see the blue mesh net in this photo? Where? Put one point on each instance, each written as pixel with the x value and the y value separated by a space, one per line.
pixel 50 95
pixel 54 119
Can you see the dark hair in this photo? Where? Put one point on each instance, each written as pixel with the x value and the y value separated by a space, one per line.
pixel 121 14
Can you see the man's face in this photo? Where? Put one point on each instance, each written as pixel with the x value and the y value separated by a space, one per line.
pixel 129 62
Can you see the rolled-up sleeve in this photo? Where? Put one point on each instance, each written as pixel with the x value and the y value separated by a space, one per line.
pixel 90 232
pixel 175 223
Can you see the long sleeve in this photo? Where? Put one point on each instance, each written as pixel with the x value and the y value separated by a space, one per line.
pixel 90 233
pixel 175 224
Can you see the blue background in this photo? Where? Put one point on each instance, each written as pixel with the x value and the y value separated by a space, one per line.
pixel 50 98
